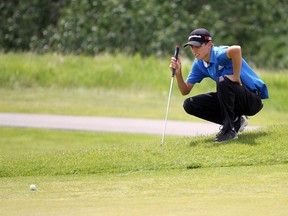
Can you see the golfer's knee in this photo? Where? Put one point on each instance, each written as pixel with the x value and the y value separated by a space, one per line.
pixel 189 106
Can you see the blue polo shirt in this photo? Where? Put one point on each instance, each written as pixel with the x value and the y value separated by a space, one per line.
pixel 221 65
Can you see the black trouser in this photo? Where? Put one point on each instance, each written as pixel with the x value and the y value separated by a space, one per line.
pixel 222 107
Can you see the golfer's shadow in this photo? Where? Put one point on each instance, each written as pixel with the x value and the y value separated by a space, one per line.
pixel 246 138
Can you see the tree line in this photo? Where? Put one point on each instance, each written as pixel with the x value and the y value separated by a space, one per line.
pixel 154 27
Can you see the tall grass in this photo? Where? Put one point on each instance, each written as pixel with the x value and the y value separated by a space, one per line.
pixel 29 70
pixel 52 70
pixel 123 74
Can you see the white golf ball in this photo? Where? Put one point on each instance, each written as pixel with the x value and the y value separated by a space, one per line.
pixel 32 187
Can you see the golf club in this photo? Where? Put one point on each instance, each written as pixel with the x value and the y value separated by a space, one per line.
pixel 169 96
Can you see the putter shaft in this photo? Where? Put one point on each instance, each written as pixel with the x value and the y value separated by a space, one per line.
pixel 169 97
pixel 167 110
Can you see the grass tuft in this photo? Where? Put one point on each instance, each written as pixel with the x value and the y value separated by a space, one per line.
pixel 194 166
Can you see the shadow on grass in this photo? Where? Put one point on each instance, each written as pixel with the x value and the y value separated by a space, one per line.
pixel 250 138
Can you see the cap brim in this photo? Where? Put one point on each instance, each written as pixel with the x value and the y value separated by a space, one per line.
pixel 192 43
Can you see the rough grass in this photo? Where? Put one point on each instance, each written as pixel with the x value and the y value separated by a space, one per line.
pixel 128 86
pixel 51 70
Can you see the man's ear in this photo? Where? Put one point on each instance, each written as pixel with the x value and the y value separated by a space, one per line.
pixel 210 43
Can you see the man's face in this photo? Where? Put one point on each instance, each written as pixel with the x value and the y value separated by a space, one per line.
pixel 202 52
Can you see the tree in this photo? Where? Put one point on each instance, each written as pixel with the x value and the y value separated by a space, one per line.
pixel 145 27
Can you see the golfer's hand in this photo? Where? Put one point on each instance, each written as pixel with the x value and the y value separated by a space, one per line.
pixel 176 65
pixel 234 79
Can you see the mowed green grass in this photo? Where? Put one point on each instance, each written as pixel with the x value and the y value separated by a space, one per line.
pixel 85 173
pixel 120 103
pixel 237 191
pixel 118 174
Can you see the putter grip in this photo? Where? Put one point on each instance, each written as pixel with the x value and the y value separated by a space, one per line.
pixel 176 56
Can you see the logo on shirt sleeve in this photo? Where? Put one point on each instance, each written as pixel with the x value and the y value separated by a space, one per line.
pixel 220 67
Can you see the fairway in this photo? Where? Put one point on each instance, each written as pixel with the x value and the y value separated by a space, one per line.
pixel 258 190
pixel 86 173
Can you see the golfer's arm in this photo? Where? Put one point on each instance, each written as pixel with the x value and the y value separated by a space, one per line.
pixel 183 86
pixel 235 54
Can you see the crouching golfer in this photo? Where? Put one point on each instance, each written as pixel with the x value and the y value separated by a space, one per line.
pixel 238 89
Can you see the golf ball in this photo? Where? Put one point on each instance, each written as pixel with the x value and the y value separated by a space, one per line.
pixel 32 187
